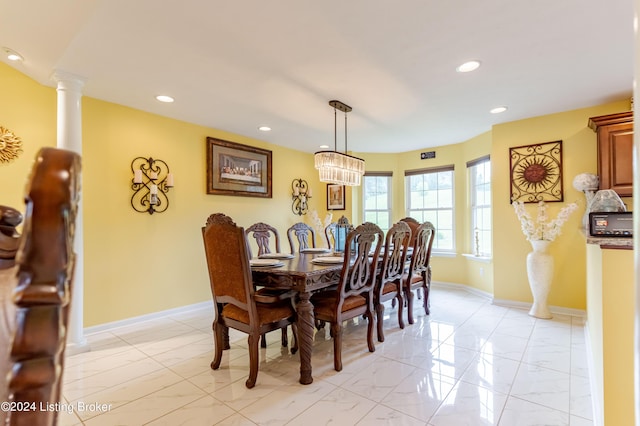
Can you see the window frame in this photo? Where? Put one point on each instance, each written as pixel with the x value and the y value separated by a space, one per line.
pixel 408 208
pixel 474 207
pixel 388 176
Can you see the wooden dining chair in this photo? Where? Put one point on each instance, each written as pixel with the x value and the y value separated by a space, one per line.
pixel 418 276
pixel 262 233
pixel 354 295
pixel 389 280
pixel 236 302
pixel 36 290
pixel 304 234
pixel 413 224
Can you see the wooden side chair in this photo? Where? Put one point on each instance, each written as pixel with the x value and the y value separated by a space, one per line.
pixel 413 224
pixel 262 233
pixel 354 295
pixel 304 234
pixel 36 291
pixel 418 275
pixel 390 278
pixel 236 303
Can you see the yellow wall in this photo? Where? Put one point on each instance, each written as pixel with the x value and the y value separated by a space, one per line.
pixel 136 263
pixel 159 259
pixel 510 247
pixel 456 268
pixel 29 111
pixel 611 313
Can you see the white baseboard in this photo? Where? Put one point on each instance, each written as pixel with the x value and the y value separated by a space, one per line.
pixel 148 317
pixel 508 303
pixel 560 310
pixel 469 289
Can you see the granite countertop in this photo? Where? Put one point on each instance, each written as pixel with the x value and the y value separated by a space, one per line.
pixel 610 242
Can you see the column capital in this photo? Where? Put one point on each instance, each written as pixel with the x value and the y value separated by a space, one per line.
pixel 67 80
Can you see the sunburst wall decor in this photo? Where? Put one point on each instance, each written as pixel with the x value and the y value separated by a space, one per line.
pixel 536 172
pixel 10 146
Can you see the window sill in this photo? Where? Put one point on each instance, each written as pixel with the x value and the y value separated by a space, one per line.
pixel 483 259
pixel 443 254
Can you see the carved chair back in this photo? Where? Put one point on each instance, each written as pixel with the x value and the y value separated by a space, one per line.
pixel 304 234
pixel 362 250
pixel 262 233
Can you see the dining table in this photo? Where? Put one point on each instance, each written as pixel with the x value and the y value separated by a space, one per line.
pixel 305 276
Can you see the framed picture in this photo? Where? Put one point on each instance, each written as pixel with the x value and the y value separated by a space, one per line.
pixel 236 169
pixel 536 172
pixel 335 197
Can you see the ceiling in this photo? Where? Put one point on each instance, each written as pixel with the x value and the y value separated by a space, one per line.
pixel 238 65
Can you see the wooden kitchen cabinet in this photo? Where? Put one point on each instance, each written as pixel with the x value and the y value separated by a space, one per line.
pixel 615 151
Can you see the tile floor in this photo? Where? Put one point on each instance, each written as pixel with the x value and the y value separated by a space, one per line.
pixel 468 363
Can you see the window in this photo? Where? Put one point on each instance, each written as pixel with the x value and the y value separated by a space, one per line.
pixel 480 194
pixel 377 199
pixel 430 198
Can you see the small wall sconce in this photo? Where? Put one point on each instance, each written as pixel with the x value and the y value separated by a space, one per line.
pixel 300 194
pixel 151 181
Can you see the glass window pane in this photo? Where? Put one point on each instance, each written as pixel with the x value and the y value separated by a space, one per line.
pixel 480 201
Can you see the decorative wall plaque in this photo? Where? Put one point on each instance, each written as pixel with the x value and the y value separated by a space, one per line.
pixel 536 172
pixel 10 146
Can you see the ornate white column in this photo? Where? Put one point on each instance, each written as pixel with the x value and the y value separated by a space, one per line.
pixel 69 88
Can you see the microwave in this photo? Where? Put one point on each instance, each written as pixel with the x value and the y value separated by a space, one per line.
pixel 611 224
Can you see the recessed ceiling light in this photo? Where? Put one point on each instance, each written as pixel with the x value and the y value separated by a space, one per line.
pixel 498 110
pixel 468 66
pixel 12 55
pixel 264 128
pixel 324 146
pixel 164 98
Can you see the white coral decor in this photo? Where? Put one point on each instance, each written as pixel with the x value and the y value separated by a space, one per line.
pixel 542 228
pixel 586 182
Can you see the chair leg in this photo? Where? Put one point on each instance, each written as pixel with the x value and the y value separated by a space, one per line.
pixel 409 296
pixel 426 299
pixel 379 319
pixel 252 342
pixel 218 335
pixel 294 347
pixel 285 338
pixel 372 346
pixel 263 341
pixel 336 333
pixel 225 333
pixel 400 305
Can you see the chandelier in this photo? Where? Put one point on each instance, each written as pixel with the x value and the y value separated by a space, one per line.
pixel 336 167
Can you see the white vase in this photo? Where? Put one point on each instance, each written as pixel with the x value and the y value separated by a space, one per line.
pixel 540 274
pixel 589 194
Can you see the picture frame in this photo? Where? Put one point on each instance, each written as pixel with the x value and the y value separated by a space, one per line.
pixel 335 197
pixel 536 172
pixel 237 169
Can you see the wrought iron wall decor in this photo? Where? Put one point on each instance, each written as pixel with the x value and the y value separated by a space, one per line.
pixel 536 172
pixel 150 184
pixel 300 194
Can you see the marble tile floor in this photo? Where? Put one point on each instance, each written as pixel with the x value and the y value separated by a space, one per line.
pixel 468 363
